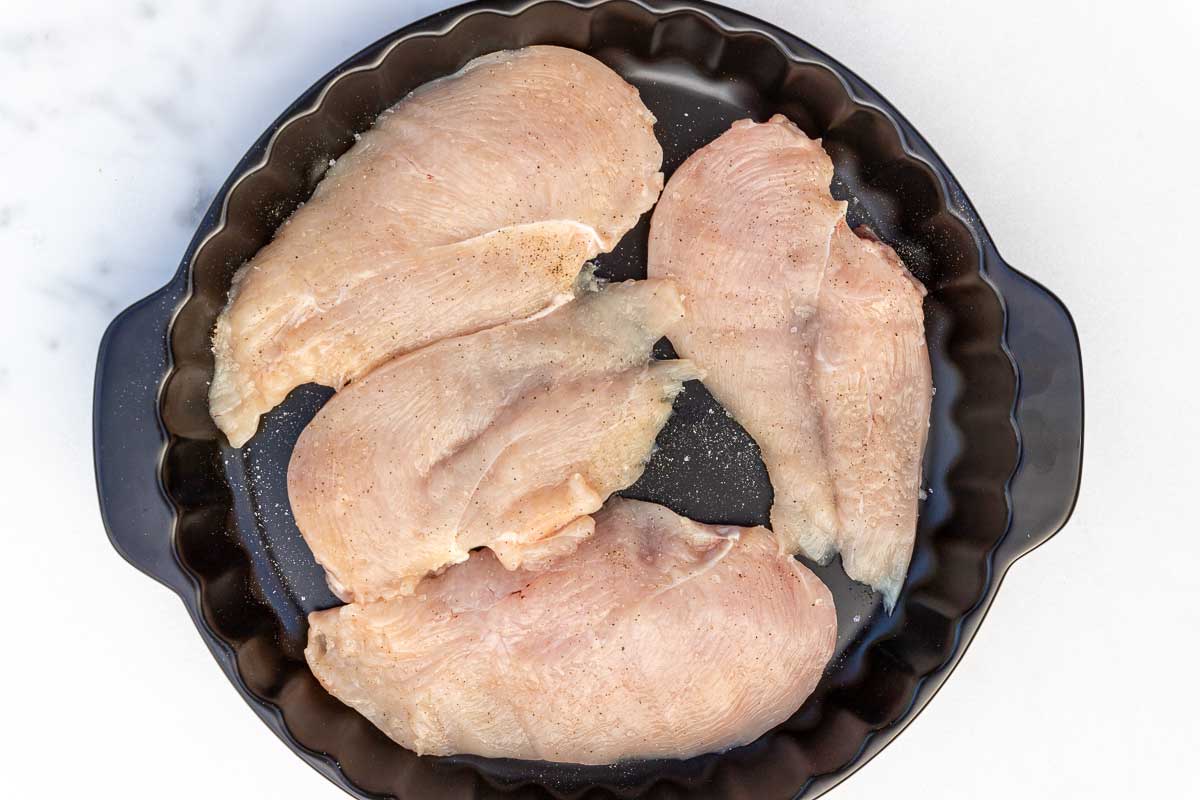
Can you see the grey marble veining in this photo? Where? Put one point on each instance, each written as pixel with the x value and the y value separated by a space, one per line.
pixel 125 119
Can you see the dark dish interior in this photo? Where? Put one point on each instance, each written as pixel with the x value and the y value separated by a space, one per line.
pixel 257 579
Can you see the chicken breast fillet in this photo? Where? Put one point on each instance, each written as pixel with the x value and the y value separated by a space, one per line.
pixel 473 201
pixel 658 638
pixel 507 438
pixel 873 379
pixel 812 337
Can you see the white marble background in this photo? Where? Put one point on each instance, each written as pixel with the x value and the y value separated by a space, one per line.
pixel 1072 126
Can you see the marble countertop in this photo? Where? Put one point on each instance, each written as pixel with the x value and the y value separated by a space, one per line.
pixel 1068 126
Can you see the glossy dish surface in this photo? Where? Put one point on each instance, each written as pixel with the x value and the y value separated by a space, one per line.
pixel 1001 469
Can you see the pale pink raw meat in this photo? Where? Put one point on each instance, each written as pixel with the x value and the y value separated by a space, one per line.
pixel 873 379
pixel 507 438
pixel 658 638
pixel 473 201
pixel 812 337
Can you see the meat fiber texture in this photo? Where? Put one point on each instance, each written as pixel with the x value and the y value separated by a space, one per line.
pixel 658 638
pixel 507 439
pixel 810 335
pixel 474 201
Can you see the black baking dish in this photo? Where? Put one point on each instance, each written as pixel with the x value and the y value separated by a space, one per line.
pixel 1002 465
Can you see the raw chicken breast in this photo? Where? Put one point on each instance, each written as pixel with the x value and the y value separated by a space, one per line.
pixel 658 638
pixel 473 201
pixel 873 379
pixel 502 438
pixel 744 228
pixel 810 336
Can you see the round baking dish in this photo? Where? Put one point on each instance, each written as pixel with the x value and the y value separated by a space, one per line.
pixel 1002 464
